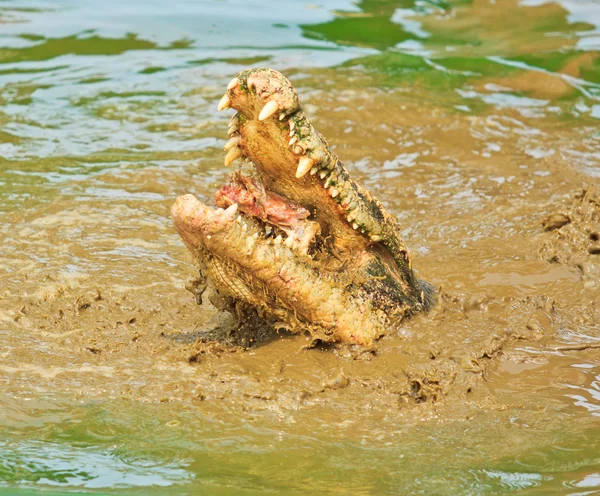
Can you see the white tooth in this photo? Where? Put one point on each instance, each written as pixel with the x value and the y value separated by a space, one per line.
pixel 255 235
pixel 233 83
pixel 232 142
pixel 231 211
pixel 293 140
pixel 268 110
pixel 292 126
pixel 304 165
pixel 268 230
pixel 233 154
pixel 333 192
pixel 281 117
pixel 291 133
pixel 355 226
pixel 323 174
pixel 232 129
pixel 289 241
pixel 278 240
pixel 238 219
pixel 224 103
pixel 209 237
pixel 313 171
pixel 244 226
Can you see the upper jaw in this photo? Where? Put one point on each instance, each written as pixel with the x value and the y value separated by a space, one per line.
pixel 260 94
pixel 269 117
pixel 290 157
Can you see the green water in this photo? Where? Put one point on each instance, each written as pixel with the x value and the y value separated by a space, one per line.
pixel 92 93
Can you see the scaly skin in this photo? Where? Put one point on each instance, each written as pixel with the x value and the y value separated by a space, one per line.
pixel 345 274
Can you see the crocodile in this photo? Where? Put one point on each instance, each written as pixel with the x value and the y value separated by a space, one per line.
pixel 292 239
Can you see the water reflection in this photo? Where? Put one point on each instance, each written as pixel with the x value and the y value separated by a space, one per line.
pixel 372 23
pixel 50 464
pixel 587 397
pixel 475 111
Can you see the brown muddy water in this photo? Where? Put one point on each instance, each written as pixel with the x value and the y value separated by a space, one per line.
pixel 476 123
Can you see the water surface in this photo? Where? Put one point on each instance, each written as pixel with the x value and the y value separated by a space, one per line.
pixel 471 120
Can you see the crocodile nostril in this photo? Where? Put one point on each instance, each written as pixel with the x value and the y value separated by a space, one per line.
pixel 594 236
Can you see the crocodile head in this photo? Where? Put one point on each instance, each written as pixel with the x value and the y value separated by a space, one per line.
pixel 294 239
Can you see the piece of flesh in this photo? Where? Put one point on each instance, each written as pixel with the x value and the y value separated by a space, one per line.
pixel 297 241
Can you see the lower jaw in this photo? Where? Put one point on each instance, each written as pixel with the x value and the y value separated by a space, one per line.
pixel 242 265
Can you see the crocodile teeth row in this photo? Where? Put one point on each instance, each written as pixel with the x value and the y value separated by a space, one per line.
pixel 233 83
pixel 231 210
pixel 234 153
pixel 235 141
pixel 224 103
pixel 304 165
pixel 268 110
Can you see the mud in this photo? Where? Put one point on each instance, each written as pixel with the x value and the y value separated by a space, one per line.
pixel 95 305
pixel 573 237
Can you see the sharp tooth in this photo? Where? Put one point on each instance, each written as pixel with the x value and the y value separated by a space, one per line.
pixel 233 154
pixel 233 83
pixel 323 174
pixel 268 230
pixel 314 170
pixel 355 226
pixel 333 192
pixel 232 142
pixel 255 235
pixel 278 240
pixel 289 241
pixel 238 219
pixel 244 226
pixel 293 140
pixel 232 129
pixel 304 165
pixel 268 110
pixel 281 116
pixel 231 211
pixel 292 125
pixel 224 103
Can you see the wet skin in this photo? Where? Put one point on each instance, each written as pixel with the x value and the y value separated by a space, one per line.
pixel 296 241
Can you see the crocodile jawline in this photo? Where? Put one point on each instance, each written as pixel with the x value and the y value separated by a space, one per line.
pixel 297 240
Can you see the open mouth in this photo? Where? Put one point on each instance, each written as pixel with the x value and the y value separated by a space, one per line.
pixel 294 237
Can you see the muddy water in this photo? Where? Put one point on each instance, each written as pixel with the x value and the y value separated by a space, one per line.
pixel 475 123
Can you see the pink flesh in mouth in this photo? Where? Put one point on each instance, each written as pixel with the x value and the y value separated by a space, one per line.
pixel 254 201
